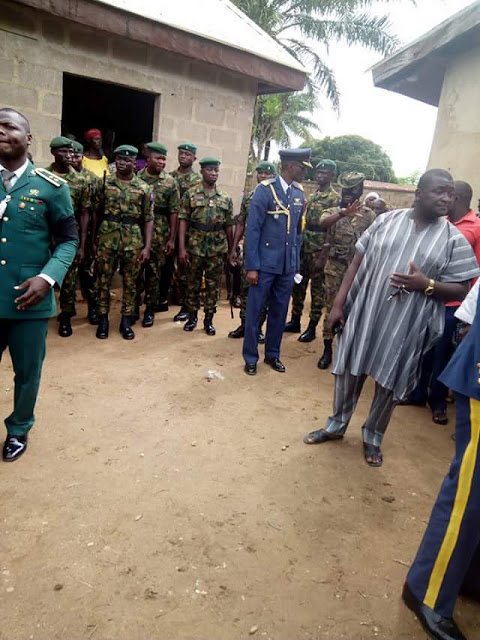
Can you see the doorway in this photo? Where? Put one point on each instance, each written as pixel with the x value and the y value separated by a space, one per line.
pixel 124 115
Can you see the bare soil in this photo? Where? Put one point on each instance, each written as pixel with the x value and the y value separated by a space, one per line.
pixel 155 504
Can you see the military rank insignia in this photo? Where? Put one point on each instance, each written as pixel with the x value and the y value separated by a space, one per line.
pixel 34 192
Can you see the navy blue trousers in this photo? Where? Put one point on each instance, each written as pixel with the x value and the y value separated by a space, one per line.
pixel 275 290
pixel 448 559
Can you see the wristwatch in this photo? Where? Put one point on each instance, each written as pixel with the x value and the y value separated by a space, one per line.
pixel 341 213
pixel 431 286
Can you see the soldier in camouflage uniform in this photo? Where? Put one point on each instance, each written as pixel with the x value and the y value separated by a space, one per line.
pixel 265 170
pixel 344 224
pixel 62 151
pixel 207 214
pixel 186 178
pixel 128 210
pixel 86 269
pixel 166 205
pixel 313 255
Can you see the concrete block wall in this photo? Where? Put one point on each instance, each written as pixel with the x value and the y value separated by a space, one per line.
pixel 198 102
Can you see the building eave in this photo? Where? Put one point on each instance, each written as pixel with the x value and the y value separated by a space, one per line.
pixel 418 70
pixel 271 76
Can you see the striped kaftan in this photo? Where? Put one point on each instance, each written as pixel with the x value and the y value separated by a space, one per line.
pixel 386 339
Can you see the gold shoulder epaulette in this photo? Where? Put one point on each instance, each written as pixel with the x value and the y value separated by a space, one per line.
pixel 268 181
pixel 297 185
pixel 50 177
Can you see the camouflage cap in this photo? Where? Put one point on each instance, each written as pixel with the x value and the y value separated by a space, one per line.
pixel 157 147
pixel 126 150
pixel 61 141
pixel 77 147
pixel 266 166
pixel 188 146
pixel 210 161
pixel 350 179
pixel 328 165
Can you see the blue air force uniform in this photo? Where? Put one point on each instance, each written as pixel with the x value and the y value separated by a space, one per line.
pixel 272 247
pixel 448 560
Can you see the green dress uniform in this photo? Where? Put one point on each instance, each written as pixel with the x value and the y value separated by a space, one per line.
pixel 38 215
pixel 128 205
pixel 166 203
pixel 208 213
pixel 313 255
pixel 341 239
pixel 81 199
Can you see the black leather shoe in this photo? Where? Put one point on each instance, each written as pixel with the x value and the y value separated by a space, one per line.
pixel 148 318
pixel 326 358
pixel 261 337
pixel 250 369
pixel 309 335
pixel 239 332
pixel 162 306
pixel 192 321
pixel 182 315
pixel 14 447
pixel 92 314
pixel 294 325
pixel 64 325
pixel 126 328
pixel 434 624
pixel 102 329
pixel 276 364
pixel 208 324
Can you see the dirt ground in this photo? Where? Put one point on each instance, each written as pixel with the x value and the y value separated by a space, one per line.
pixel 154 504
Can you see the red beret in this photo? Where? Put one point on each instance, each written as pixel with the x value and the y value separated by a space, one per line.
pixel 92 133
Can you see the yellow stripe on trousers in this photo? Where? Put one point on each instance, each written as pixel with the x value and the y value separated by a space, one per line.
pixel 462 496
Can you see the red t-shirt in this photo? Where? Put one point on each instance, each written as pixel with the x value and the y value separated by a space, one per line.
pixel 469 225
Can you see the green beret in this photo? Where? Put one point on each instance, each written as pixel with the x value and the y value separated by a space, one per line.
pixel 209 161
pixel 77 147
pixel 188 146
pixel 126 150
pixel 157 147
pixel 350 179
pixel 328 165
pixel 61 141
pixel 266 166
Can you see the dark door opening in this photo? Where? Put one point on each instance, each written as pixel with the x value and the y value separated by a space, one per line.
pixel 124 115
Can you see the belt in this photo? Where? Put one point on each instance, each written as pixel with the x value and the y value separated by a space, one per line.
pixel 161 211
pixel 122 219
pixel 314 227
pixel 199 226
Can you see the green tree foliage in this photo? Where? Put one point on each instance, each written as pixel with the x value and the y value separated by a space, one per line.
pixel 354 153
pixel 411 180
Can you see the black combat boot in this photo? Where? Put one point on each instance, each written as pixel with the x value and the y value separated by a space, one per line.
pixel 309 334
pixel 326 358
pixel 208 324
pixel 294 325
pixel 182 315
pixel 261 335
pixel 162 306
pixel 92 313
pixel 64 325
pixel 192 321
pixel 148 318
pixel 136 315
pixel 126 328
pixel 239 332
pixel 102 329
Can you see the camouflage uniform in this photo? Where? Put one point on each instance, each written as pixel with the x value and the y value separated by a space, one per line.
pixel 86 270
pixel 81 199
pixel 128 205
pixel 341 239
pixel 208 213
pixel 167 202
pixel 185 182
pixel 314 251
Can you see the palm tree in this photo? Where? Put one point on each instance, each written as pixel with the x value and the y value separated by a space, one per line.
pixel 298 25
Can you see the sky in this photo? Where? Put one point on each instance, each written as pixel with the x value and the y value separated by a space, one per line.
pixel 402 126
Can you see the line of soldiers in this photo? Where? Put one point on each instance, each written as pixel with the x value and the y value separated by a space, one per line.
pixel 158 227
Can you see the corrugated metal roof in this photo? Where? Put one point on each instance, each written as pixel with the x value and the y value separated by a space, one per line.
pixel 217 20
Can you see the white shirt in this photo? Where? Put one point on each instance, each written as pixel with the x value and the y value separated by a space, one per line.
pixel 284 184
pixel 466 311
pixel 16 175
